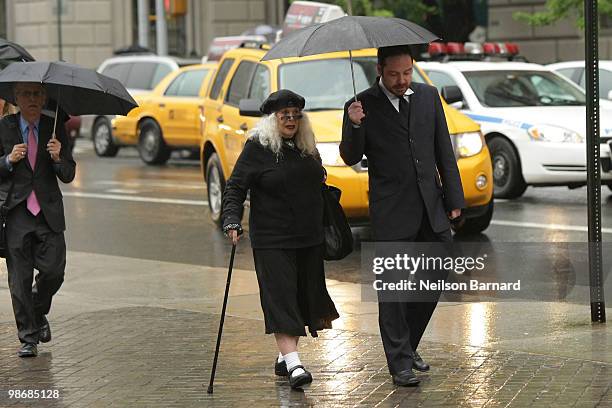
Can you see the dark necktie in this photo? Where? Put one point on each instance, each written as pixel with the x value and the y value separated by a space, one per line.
pixel 403 106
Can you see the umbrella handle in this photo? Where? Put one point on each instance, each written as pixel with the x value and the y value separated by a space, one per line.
pixel 56 113
pixel 353 74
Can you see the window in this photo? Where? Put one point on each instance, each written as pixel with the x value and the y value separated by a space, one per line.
pixel 605 82
pixel 441 79
pixel 141 75
pixel 160 72
pixel 187 83
pixel 326 83
pixel 523 88
pixel 118 71
pixel 220 78
pixel 3 18
pixel 260 86
pixel 569 73
pixel 239 86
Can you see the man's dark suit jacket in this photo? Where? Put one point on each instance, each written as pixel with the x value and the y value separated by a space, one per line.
pixel 43 179
pixel 404 160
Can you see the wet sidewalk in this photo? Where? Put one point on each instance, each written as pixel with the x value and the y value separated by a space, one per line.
pixel 134 333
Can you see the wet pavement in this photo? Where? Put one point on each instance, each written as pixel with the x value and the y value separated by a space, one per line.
pixel 135 323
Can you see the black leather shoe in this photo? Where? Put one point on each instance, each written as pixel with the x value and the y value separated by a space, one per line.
pixel 418 363
pixel 406 378
pixel 28 350
pixel 298 381
pixel 280 369
pixel 44 333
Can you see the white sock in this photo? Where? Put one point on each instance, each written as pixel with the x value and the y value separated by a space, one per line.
pixel 280 358
pixel 292 360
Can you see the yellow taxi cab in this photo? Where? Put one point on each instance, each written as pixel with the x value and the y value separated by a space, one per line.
pixel 243 81
pixel 168 118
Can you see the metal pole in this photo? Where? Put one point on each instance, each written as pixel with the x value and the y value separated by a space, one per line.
pixel 160 28
pixel 59 29
pixel 143 23
pixel 598 311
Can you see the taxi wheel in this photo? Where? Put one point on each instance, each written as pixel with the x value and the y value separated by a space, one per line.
pixel 215 184
pixel 508 179
pixel 475 225
pixel 103 139
pixel 151 145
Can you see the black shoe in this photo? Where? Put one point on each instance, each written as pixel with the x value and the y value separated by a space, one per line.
pixel 28 350
pixel 297 381
pixel 280 369
pixel 406 378
pixel 44 333
pixel 418 363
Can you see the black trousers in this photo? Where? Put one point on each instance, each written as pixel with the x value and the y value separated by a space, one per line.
pixel 402 324
pixel 33 245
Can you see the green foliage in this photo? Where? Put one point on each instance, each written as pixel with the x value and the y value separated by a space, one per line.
pixel 412 10
pixel 559 9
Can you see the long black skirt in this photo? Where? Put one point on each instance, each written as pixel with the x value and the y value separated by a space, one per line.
pixel 292 290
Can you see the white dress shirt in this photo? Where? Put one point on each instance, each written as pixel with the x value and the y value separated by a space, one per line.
pixel 392 98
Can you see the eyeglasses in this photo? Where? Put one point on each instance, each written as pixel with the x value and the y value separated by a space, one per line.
pixel 30 94
pixel 285 118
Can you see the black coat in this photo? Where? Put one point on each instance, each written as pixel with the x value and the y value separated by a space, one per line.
pixel 404 159
pixel 286 204
pixel 43 179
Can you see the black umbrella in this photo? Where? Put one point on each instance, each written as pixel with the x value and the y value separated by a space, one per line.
pixel 77 90
pixel 13 52
pixel 349 33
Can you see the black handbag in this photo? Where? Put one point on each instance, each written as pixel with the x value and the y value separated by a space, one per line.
pixel 338 235
pixel 3 216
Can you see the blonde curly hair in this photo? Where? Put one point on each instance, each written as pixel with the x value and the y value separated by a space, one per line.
pixel 268 134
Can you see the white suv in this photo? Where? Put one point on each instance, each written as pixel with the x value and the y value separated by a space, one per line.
pixel 139 74
pixel 533 120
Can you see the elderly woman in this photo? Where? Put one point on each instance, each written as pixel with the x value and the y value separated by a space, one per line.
pixel 281 167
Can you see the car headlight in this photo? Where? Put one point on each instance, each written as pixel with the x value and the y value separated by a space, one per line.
pixel 330 154
pixel 468 144
pixel 555 134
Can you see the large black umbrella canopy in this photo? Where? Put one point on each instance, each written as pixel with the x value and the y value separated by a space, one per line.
pixel 349 33
pixel 13 52
pixel 77 90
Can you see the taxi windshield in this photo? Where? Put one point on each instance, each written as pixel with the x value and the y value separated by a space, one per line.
pixel 326 84
pixel 500 89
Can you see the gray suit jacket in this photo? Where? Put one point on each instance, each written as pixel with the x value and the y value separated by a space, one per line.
pixel 43 178
pixel 411 163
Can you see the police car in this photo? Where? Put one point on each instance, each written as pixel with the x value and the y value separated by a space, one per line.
pixel 533 119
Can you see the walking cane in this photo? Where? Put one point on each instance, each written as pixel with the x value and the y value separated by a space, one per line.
pixel 227 286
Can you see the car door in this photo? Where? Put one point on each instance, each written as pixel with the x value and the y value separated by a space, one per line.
pixel 182 106
pixel 235 126
pixel 214 128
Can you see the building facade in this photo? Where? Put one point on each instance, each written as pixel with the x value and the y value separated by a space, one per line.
pixel 92 29
pixel 563 41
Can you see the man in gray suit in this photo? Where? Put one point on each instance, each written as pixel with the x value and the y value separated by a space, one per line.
pixel 415 187
pixel 31 161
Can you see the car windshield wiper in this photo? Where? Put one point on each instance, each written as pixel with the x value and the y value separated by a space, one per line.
pixel 565 102
pixel 522 99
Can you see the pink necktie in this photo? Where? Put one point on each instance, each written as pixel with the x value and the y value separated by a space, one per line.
pixel 33 205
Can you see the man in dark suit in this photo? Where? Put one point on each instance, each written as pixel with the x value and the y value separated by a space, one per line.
pixel 415 187
pixel 31 161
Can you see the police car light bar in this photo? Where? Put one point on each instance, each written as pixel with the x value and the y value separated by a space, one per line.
pixel 438 49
